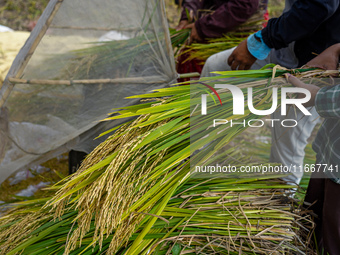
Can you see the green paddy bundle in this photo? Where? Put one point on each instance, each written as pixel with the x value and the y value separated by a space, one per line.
pixel 134 193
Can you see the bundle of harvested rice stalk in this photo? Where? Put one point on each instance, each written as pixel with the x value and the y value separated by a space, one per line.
pixel 232 215
pixel 133 194
pixel 201 51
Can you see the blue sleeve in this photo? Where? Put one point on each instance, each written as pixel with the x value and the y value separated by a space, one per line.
pixel 304 17
pixel 257 47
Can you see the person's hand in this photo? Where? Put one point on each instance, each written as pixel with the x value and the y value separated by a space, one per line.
pixel 193 35
pixel 297 83
pixel 328 59
pixel 241 58
pixel 182 24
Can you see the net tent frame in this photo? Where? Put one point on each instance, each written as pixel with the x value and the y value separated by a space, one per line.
pixel 27 50
pixel 15 76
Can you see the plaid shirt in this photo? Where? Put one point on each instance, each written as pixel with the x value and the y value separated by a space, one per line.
pixel 327 141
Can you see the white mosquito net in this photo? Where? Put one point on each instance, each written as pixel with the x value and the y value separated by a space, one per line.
pixel 82 60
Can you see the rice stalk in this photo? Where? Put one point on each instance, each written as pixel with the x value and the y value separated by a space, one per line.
pixel 136 185
pixel 201 51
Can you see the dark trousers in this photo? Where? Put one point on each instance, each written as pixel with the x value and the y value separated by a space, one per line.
pixel 74 160
pixel 326 193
